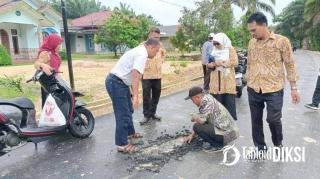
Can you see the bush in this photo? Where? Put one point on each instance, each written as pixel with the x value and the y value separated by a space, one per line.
pixel 63 55
pixel 11 82
pixel 5 58
pixel 183 64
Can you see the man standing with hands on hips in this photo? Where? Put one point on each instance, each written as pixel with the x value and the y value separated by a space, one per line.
pixel 151 81
pixel 125 75
pixel 269 57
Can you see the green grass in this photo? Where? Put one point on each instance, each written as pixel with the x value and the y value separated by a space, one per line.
pixel 29 91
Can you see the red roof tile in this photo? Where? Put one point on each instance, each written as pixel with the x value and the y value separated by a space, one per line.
pixel 93 19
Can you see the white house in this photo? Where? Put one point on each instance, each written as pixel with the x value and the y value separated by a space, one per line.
pixel 22 24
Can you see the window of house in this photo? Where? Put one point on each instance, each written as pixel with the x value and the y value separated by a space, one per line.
pixel 15 41
pixel 90 43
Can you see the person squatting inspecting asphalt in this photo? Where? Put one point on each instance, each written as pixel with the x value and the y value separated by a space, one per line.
pixel 126 75
pixel 212 123
pixel 151 81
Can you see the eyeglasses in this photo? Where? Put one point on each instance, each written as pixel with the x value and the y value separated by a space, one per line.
pixel 216 44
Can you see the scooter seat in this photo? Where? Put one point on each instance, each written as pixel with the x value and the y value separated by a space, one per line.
pixel 20 102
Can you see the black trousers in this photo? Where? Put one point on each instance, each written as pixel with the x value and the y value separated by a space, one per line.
pixel 316 94
pixel 206 77
pixel 274 102
pixel 229 102
pixel 207 133
pixel 151 95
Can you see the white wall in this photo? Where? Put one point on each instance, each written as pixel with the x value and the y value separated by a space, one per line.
pixel 80 43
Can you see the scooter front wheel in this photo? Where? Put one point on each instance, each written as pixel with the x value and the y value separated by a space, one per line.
pixel 83 123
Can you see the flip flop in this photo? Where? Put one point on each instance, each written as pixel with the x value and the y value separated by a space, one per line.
pixel 129 148
pixel 135 136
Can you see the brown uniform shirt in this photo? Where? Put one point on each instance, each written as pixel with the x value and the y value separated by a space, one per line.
pixel 266 62
pixel 153 66
pixel 221 83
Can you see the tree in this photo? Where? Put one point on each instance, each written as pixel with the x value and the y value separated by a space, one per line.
pixel 312 22
pixel 124 29
pixel 209 16
pixel 255 5
pixel 181 41
pixel 78 8
pixel 291 22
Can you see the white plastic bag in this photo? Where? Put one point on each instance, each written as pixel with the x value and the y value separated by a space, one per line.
pixel 51 115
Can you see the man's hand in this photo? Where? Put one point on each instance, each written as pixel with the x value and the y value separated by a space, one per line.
pixel 219 62
pixel 188 139
pixel 211 65
pixel 135 101
pixel 295 96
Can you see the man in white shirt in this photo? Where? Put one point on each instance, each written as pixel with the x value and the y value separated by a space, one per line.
pixel 125 75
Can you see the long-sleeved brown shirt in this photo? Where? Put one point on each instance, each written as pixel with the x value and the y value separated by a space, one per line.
pixel 266 62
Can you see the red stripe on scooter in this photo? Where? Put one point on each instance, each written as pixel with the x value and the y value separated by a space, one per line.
pixel 3 119
pixel 28 134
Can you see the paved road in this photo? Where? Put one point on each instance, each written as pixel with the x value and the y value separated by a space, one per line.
pixel 95 157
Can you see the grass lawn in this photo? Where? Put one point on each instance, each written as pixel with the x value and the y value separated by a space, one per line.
pixel 90 72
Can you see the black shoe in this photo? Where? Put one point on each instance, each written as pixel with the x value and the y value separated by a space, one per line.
pixel 145 120
pixel 156 117
pixel 212 149
pixel 312 106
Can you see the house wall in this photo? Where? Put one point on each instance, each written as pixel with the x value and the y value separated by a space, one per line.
pixel 80 43
pixel 24 18
pixel 28 41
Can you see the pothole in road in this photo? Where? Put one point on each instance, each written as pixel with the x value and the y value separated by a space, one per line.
pixel 156 153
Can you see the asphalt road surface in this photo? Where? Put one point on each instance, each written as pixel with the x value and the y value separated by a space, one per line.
pixel 95 157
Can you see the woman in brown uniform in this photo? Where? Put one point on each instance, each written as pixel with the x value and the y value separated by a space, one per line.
pixel 223 82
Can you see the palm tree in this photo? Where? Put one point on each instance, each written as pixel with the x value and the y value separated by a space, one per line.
pixel 312 11
pixel 255 5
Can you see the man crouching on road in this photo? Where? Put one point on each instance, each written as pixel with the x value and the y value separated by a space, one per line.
pixel 213 123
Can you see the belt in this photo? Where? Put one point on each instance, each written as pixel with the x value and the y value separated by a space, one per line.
pixel 115 77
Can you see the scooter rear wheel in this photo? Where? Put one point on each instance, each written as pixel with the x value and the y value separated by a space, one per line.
pixel 83 123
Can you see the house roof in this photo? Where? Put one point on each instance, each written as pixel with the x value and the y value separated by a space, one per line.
pixel 92 19
pixel 168 31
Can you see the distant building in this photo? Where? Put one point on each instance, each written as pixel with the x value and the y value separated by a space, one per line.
pixel 23 24
pixel 166 32
pixel 82 32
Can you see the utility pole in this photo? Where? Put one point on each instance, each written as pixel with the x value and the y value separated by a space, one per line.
pixel 67 42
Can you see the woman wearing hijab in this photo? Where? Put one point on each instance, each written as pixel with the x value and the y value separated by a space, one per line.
pixel 48 58
pixel 223 81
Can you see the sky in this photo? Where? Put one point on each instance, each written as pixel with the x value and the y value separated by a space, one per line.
pixel 168 12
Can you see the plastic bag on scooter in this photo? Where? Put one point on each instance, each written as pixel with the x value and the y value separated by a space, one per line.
pixel 51 115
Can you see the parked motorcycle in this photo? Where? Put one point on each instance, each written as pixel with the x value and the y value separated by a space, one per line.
pixel 240 72
pixel 18 116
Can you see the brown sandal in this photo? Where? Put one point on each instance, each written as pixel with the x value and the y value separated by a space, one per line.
pixel 135 136
pixel 129 148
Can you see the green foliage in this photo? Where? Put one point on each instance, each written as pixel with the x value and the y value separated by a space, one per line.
pixel 291 22
pixel 299 22
pixel 124 29
pixel 11 82
pixel 77 8
pixel 181 41
pixel 5 58
pixel 183 64
pixel 63 55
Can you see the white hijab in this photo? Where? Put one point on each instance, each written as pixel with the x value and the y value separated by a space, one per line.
pixel 221 54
